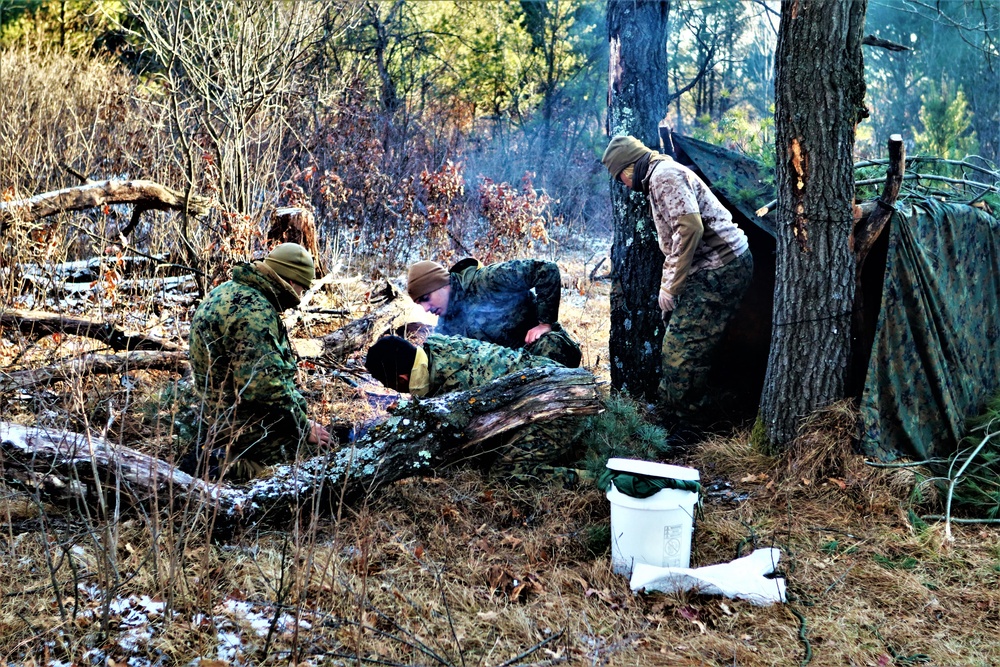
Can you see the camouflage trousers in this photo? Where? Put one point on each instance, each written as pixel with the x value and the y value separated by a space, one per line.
pixel 557 346
pixel 220 443
pixel 709 301
pixel 543 453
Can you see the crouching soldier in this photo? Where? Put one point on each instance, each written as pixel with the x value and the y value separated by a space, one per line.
pixel 514 304
pixel 443 364
pixel 252 413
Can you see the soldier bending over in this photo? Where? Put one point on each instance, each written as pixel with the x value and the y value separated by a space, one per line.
pixel 514 304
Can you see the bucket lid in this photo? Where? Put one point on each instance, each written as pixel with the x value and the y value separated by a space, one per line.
pixel 653 469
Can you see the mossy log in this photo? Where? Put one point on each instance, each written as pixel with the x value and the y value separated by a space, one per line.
pixel 419 438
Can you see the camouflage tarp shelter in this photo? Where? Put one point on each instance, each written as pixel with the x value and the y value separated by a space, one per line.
pixel 927 353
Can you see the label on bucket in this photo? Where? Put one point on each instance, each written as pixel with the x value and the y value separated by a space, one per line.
pixel 672 546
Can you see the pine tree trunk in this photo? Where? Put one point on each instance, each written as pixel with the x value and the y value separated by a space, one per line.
pixel 637 100
pixel 819 93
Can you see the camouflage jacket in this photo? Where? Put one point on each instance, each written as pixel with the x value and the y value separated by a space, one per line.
pixel 242 358
pixel 458 364
pixel 495 303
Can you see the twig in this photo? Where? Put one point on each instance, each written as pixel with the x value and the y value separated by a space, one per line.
pixel 518 658
pixel 596 267
pixel 942 517
pixel 838 579
pixel 954 481
pixel 914 176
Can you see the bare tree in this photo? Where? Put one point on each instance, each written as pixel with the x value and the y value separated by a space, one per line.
pixel 819 93
pixel 231 71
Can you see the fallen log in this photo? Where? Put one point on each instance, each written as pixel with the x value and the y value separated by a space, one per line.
pixel 419 438
pixel 90 364
pixel 175 284
pixel 360 333
pixel 36 324
pixel 144 195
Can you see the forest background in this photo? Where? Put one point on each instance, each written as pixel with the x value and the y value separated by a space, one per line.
pixel 402 120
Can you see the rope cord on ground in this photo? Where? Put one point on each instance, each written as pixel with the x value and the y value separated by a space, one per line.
pixel 835 316
pixel 803 628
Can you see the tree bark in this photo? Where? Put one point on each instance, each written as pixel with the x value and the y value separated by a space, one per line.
pixel 637 100
pixel 420 437
pixel 819 93
pixel 144 195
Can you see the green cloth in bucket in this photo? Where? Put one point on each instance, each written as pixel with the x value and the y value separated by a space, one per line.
pixel 643 486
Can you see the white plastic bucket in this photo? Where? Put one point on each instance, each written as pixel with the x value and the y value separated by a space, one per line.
pixel 655 530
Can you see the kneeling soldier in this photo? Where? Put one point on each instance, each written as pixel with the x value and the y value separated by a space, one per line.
pixel 253 414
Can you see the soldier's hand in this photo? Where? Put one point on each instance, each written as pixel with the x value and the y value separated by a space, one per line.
pixel 666 301
pixel 318 435
pixel 537 332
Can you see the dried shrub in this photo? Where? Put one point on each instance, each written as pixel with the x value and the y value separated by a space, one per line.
pixel 516 220
pixel 442 188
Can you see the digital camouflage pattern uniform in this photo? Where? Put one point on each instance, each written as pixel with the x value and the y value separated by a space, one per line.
pixel 496 304
pixel 538 452
pixel 245 370
pixel 706 276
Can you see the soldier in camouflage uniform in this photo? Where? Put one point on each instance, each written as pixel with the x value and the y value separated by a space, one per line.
pixel 706 269
pixel 445 364
pixel 514 304
pixel 252 413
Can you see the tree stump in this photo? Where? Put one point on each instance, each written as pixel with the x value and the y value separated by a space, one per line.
pixel 297 225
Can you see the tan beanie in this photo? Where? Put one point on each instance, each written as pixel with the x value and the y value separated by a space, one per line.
pixel 424 278
pixel 293 263
pixel 621 152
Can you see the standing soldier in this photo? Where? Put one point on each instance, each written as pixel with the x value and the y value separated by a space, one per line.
pixel 252 413
pixel 514 304
pixel 706 269
pixel 445 364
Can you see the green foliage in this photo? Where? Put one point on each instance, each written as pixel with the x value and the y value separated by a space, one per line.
pixel 75 25
pixel 946 119
pixel 622 431
pixel 903 563
pixel 739 130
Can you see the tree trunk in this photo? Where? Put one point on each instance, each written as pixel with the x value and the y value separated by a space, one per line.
pixel 297 225
pixel 637 100
pixel 819 93
pixel 420 437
